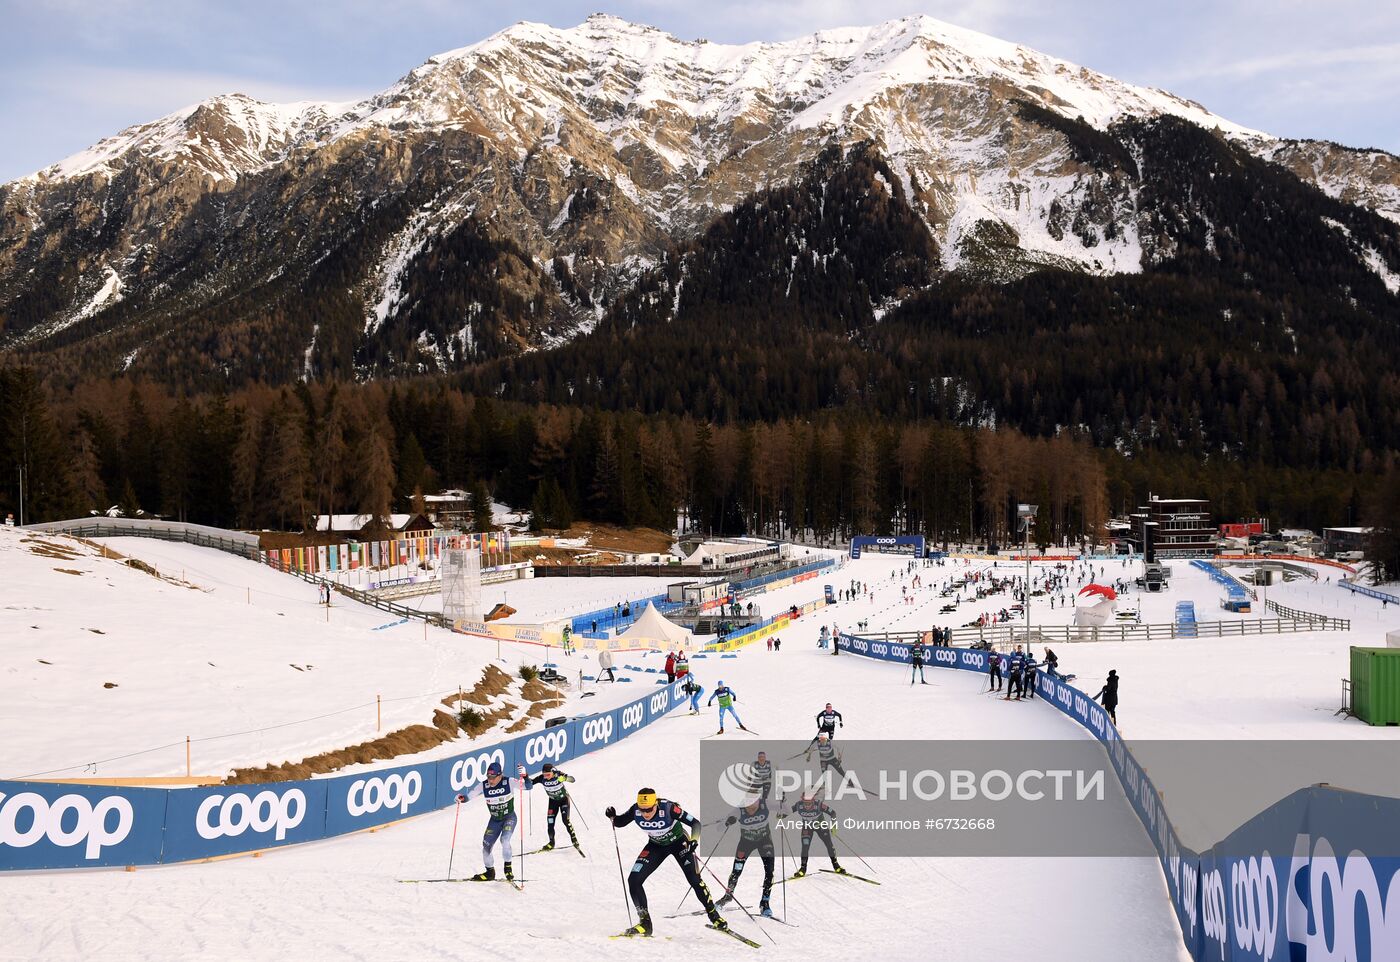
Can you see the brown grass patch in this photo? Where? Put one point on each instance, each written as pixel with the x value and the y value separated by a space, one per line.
pixel 494 683
pixel 538 709
pixel 48 549
pixel 632 540
pixel 405 741
pixel 415 738
pixel 68 571
pixel 140 565
pixel 536 690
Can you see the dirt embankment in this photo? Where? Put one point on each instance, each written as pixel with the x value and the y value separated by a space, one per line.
pixel 607 537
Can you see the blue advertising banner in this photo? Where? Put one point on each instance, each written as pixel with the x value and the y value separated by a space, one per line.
pixel 355 802
pixel 79 826
pixel 204 822
pixel 44 825
pixel 904 544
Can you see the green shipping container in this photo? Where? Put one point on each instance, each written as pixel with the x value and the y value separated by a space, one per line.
pixel 1375 685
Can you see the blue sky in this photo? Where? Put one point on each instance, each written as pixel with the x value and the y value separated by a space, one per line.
pixel 74 71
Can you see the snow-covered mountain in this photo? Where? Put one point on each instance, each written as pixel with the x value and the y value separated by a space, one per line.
pixel 499 196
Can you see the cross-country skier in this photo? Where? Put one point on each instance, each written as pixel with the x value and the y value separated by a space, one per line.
pixel 665 823
pixel 827 720
pixel 994 671
pixel 763 775
pixel 1028 675
pixel 816 818
pixel 553 780
pixel 754 836
pixel 500 826
pixel 727 698
pixel 694 689
pixel 827 755
pixel 917 653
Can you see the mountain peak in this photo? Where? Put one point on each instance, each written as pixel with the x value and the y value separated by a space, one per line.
pixel 549 168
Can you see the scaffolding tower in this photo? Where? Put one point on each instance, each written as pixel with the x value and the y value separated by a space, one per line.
pixel 461 584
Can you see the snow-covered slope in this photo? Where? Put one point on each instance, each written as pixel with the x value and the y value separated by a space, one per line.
pixel 236 655
pixel 224 137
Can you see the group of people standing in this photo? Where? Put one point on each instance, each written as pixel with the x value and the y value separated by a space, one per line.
pixel 1020 673
pixel 1018 670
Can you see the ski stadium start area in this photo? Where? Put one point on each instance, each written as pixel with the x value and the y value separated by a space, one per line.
pixel 345 898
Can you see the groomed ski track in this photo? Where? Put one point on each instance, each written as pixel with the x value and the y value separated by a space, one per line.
pixel 341 899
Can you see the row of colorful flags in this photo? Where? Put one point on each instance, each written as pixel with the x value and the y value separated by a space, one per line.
pixel 493 545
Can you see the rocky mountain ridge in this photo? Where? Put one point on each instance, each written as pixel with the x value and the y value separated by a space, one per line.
pixel 500 197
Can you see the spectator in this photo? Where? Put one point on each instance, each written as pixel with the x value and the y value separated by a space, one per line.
pixel 670 667
pixel 1108 696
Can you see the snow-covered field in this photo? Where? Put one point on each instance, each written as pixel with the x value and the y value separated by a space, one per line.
pixel 237 656
pixel 297 902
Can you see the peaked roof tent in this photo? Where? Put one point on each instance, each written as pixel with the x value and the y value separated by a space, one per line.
pixel 652 628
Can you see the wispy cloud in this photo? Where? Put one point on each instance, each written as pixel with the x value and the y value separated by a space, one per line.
pixel 156 92
pixel 1386 56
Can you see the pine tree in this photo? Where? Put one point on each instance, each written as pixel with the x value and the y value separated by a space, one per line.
pixel 375 484
pixel 1383 543
pixel 289 471
pixel 481 507
pixel 30 443
pixel 87 477
pixel 412 467
pixel 129 505
pixel 561 513
pixel 704 489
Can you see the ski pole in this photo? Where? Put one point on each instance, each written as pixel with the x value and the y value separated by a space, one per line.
pixel 741 907
pixel 579 813
pixel 853 852
pixel 455 816
pixel 707 862
pixel 622 878
pixel 520 842
pixel 784 856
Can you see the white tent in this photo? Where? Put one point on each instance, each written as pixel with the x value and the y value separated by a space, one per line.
pixel 704 554
pixel 652 629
